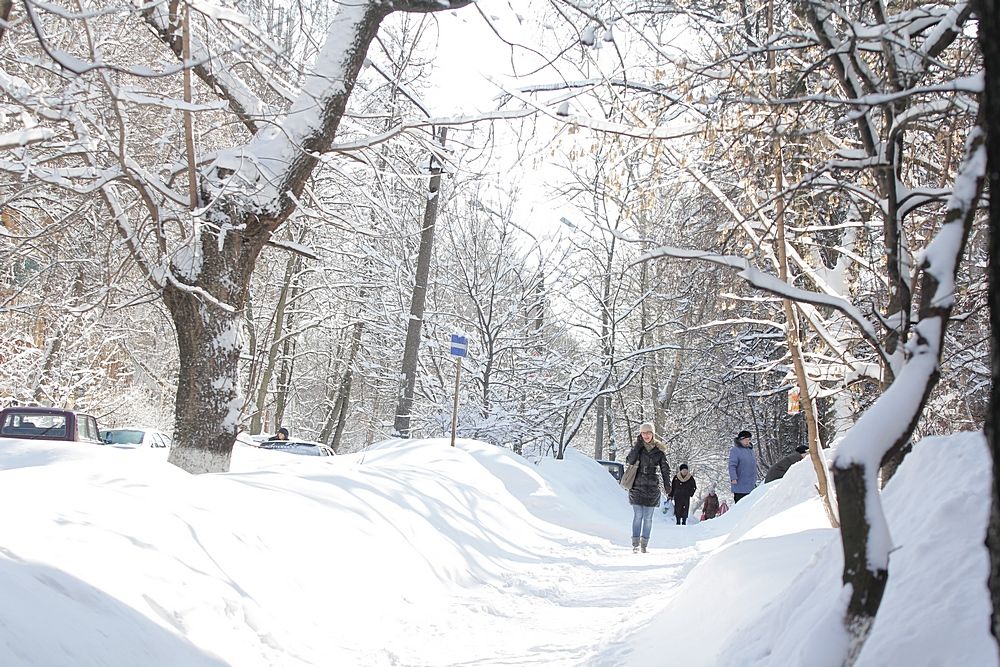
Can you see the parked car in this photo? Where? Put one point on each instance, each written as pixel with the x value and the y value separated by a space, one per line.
pixel 616 468
pixel 135 437
pixel 305 447
pixel 39 423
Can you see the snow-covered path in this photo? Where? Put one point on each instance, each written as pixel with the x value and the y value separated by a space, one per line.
pixel 416 553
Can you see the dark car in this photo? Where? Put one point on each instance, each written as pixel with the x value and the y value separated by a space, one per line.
pixel 37 423
pixel 616 468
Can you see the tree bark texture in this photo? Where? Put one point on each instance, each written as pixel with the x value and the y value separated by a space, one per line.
pixel 208 403
pixel 867 583
pixel 401 423
pixel 5 7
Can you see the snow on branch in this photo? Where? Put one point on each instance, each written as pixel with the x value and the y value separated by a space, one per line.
pixel 774 285
pixel 24 137
pixel 946 30
pixel 209 67
pixel 440 121
pixel 896 412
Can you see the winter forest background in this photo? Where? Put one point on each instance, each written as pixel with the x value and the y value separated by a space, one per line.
pixel 222 217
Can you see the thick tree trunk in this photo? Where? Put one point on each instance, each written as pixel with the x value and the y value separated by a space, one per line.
pixel 401 423
pixel 989 27
pixel 208 404
pixel 52 347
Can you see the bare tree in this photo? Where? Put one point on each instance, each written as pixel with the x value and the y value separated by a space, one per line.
pixel 408 374
pixel 201 259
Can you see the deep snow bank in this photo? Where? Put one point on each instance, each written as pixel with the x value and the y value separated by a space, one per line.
pixel 771 593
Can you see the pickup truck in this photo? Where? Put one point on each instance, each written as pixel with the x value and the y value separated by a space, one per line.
pixel 37 423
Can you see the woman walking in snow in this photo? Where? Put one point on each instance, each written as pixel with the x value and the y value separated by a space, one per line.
pixel 681 490
pixel 649 453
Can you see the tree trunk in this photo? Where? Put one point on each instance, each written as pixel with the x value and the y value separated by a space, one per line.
pixel 401 423
pixel 207 406
pixel 344 402
pixel 795 349
pixel 854 472
pixel 264 386
pixel 867 582
pixel 286 365
pixel 336 416
pixel 791 313
pixel 5 7
pixel 989 27
pixel 52 347
pixel 602 402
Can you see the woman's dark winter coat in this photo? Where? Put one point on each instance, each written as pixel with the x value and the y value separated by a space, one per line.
pixel 646 490
pixel 681 492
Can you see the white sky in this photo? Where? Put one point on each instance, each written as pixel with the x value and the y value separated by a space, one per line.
pixel 471 64
pixel 416 553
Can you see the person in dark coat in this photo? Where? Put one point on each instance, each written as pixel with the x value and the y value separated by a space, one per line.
pixel 778 470
pixel 711 505
pixel 742 466
pixel 650 454
pixel 281 435
pixel 681 490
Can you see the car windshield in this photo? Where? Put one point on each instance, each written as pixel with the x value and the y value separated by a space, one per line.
pixel 123 437
pixel 34 423
pixel 293 447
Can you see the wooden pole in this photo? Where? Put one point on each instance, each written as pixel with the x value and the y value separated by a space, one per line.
pixel 454 411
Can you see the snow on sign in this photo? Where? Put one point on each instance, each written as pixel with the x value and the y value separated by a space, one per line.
pixel 459 345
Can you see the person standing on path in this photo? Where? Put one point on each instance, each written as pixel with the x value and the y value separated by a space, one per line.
pixel 742 466
pixel 650 454
pixel 682 488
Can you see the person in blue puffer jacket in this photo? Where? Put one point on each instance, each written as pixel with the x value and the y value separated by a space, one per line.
pixel 742 466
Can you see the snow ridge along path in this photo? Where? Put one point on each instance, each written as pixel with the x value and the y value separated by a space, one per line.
pixel 417 553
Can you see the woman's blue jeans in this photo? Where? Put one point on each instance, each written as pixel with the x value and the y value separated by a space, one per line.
pixel 642 520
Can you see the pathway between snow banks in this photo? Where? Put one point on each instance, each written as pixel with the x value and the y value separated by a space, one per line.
pixel 417 553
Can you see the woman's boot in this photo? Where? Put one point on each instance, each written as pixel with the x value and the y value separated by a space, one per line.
pixel 642 543
pixel 635 545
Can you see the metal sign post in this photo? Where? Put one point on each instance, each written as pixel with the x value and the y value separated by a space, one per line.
pixel 459 348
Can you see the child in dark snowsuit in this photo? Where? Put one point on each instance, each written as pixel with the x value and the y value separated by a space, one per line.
pixel 711 506
pixel 681 490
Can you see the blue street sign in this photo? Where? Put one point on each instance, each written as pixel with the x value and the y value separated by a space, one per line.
pixel 459 345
